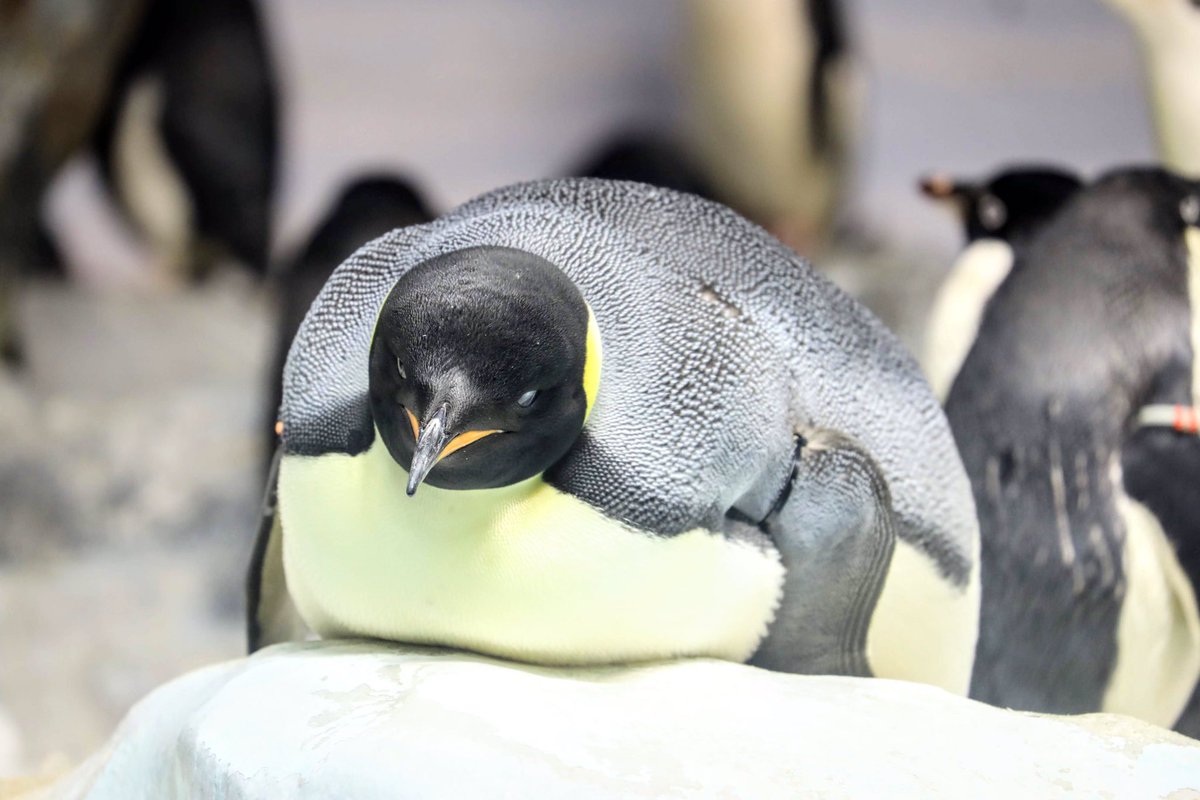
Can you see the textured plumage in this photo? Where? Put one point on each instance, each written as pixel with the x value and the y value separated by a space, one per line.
pixel 729 368
pixel 1084 604
pixel 368 207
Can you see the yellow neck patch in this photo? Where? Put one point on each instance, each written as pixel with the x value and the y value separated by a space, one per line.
pixel 591 363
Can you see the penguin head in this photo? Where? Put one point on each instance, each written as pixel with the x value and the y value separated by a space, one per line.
pixel 1008 205
pixel 483 365
pixel 1144 202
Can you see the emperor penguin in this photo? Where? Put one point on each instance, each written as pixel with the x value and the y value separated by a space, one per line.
pixel 1089 545
pixel 1169 34
pixel 774 99
pixel 998 214
pixel 583 421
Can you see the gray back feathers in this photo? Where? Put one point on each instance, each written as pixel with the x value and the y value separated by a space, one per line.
pixel 720 345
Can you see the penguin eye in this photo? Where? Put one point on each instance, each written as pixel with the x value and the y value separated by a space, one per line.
pixel 1189 209
pixel 992 212
pixel 526 400
pixel 400 368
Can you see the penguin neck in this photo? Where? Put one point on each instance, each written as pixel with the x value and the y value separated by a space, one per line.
pixel 958 309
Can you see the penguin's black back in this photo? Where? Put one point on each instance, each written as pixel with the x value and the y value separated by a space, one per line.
pixel 1068 349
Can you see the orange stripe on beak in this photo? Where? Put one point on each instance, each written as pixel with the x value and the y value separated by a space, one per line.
pixel 412 422
pixel 462 440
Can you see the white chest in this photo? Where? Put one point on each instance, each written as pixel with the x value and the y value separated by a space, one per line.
pixel 958 309
pixel 524 572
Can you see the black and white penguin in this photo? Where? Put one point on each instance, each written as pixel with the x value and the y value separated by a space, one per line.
pixel 367 207
pixel 584 421
pixel 189 138
pixel 774 98
pixel 1169 33
pixel 998 215
pixel 177 98
pixel 1086 501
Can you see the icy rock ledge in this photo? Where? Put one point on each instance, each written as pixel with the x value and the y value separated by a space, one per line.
pixel 356 719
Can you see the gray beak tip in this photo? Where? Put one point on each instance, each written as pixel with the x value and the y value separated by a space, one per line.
pixel 429 447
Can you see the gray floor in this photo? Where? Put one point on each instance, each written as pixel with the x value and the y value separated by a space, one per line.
pixel 128 473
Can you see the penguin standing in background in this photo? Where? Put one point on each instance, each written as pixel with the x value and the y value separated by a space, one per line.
pixel 1089 599
pixel 1169 32
pixel 178 100
pixel 585 421
pixel 774 102
pixel 188 143
pixel 999 216
pixel 368 207
pixel 58 60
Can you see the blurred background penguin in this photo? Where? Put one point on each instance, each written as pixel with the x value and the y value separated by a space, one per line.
pixel 775 105
pixel 177 99
pixel 1169 34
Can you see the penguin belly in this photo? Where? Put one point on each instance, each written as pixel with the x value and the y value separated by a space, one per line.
pixel 524 571
pixel 924 628
pixel 152 189
pixel 1158 631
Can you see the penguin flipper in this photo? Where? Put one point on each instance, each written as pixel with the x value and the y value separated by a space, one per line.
pixel 835 529
pixel 271 617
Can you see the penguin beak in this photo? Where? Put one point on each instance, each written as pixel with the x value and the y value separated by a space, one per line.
pixel 435 443
pixel 944 189
pixel 429 448
pixel 940 186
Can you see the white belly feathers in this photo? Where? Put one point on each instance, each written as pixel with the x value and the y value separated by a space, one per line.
pixel 958 309
pixel 524 571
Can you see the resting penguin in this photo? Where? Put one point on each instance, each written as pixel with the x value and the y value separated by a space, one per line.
pixel 585 421
pixel 1088 586
pixel 1169 31
pixel 999 216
